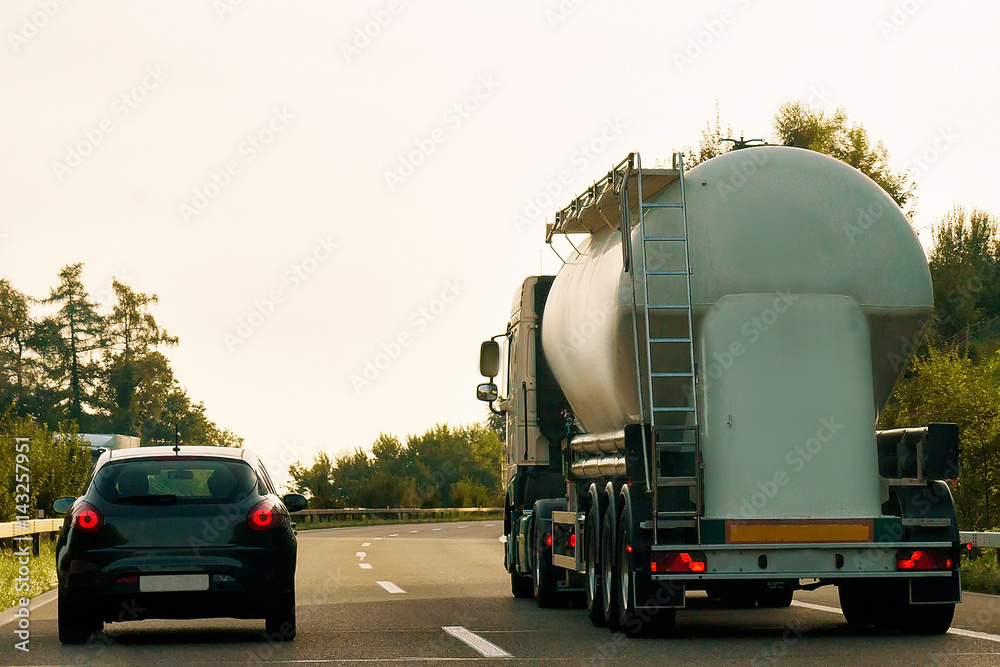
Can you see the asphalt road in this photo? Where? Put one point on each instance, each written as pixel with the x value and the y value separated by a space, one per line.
pixel 437 594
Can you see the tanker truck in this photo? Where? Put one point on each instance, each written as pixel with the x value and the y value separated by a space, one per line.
pixel 691 402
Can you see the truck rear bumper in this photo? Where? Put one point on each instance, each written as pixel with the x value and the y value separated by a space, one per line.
pixel 802 561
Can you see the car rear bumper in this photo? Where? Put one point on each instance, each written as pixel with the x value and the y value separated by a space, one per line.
pixel 242 582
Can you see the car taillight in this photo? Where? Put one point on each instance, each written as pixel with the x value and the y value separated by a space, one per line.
pixel 677 561
pixel 923 559
pixel 264 516
pixel 87 518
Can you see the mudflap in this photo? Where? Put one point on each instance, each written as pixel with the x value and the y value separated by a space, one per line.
pixel 650 594
pixel 931 590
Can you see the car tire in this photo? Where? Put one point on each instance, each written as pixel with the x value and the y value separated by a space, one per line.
pixel 279 624
pixel 75 626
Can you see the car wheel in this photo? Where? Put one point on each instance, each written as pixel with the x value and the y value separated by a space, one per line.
pixel 75 627
pixel 279 624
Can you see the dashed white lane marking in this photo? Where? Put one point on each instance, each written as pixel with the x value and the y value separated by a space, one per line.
pixel 366 544
pixel 361 555
pixel 953 631
pixel 413 531
pixel 365 566
pixel 463 526
pixel 485 648
pixel 389 586
pixel 435 529
pixel 394 535
pixel 376 538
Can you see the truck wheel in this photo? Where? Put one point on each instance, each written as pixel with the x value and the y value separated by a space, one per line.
pixel 928 619
pixel 521 586
pixel 857 606
pixel 75 627
pixel 541 579
pixel 609 570
pixel 635 622
pixel 595 606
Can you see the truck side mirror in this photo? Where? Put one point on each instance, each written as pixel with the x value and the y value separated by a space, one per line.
pixel 489 359
pixel 486 392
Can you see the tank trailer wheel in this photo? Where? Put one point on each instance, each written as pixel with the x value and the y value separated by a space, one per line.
pixel 592 549
pixel 858 608
pixel 609 572
pixel 635 622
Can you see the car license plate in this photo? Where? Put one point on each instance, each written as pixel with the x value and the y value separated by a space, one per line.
pixel 173 582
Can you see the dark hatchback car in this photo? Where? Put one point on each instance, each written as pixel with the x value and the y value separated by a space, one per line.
pixel 185 532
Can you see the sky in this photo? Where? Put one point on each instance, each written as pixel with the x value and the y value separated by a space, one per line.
pixel 336 201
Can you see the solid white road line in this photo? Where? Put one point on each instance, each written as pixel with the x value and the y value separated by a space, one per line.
pixel 7 615
pixel 365 566
pixel 389 586
pixel 485 648
pixel 953 631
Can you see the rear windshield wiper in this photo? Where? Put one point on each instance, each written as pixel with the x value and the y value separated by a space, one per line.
pixel 150 499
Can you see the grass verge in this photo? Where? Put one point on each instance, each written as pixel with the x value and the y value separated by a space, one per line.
pixel 42 570
pixel 983 574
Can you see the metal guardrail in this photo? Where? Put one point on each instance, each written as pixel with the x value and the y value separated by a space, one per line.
pixel 393 512
pixel 32 527
pixel 980 540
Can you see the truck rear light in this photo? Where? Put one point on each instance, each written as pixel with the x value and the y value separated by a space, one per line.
pixel 677 561
pixel 87 518
pixel 923 559
pixel 264 516
pixel 572 541
pixel 128 579
pixel 548 539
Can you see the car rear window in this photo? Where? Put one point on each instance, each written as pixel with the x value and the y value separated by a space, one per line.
pixel 175 480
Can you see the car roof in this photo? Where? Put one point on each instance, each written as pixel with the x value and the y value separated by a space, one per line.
pixel 235 453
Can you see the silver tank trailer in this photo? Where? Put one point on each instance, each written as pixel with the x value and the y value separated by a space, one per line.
pixel 809 290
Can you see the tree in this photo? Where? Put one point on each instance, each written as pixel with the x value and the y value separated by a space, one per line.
pixel 945 386
pixel 964 268
pixel 80 327
pixel 130 335
pixel 15 331
pixel 318 482
pixel 797 124
pixel 711 144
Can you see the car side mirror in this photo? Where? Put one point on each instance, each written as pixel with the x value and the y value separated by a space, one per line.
pixel 487 392
pixel 63 504
pixel 489 359
pixel 295 502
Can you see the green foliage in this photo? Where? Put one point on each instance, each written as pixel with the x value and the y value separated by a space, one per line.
pixel 945 386
pixel 444 467
pixel 797 124
pixel 102 372
pixel 965 268
pixel 42 578
pixel 57 465
pixel 983 574
pixel 711 144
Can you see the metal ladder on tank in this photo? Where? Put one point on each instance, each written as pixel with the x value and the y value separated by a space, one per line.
pixel 674 426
